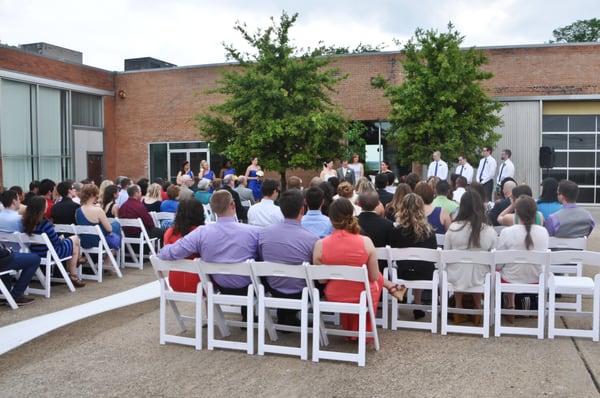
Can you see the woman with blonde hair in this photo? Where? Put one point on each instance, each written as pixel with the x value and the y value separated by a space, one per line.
pixel 153 197
pixel 393 207
pixel 345 190
pixel 364 185
pixel 103 185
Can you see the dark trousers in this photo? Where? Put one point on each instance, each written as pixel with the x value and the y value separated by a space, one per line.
pixel 285 316
pixel 488 187
pixel 27 263
pixel 242 291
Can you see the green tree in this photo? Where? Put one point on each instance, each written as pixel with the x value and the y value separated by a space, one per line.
pixel 353 141
pixel 586 30
pixel 277 104
pixel 440 105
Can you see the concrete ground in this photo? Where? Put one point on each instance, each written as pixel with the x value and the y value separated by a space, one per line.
pixel 118 354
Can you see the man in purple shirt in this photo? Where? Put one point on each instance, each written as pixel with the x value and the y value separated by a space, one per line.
pixel 225 241
pixel 571 221
pixel 287 242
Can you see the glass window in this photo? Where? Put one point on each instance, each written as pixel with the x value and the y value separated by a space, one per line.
pixel 558 174
pixel 586 195
pixel 582 141
pixel 87 110
pixel 560 159
pixel 556 141
pixel 582 159
pixel 188 145
pixel 554 123
pixel 49 134
pixel 583 177
pixel 582 123
pixel 158 161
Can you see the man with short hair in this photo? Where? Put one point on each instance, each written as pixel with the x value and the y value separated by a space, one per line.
pixel 46 190
pixel 123 197
pixel 294 183
pixel 288 243
pixel 185 192
pixel 243 191
pixel 381 183
pixel 228 184
pixel 225 241
pixel 266 212
pixel 486 172
pixel 345 173
pixel 571 221
pixel 10 219
pixel 438 168
pixel 378 228
pixel 314 221
pixel 464 169
pixel 502 204
pixel 34 190
pixel 63 212
pixel 461 188
pixel 77 186
pixel 135 208
pixel 507 169
pixel 442 189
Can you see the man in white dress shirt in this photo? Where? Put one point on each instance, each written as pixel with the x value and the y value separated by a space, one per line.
pixel 464 169
pixel 507 168
pixel 486 172
pixel 266 212
pixel 438 168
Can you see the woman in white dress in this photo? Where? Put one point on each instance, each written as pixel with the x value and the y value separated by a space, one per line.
pixel 357 167
pixel 328 171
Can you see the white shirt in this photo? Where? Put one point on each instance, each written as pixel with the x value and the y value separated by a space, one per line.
pixel 122 198
pixel 513 238
pixel 264 213
pixel 442 170
pixel 465 170
pixel 484 174
pixel 507 169
pixel 457 194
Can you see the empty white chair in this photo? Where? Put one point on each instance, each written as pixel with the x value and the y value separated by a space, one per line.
pixel 580 285
pixel 415 254
pixel 466 257
pixel 519 257
pixel 141 240
pixel 264 269
pixel 557 244
pixel 168 295
pixel 362 308
pixel 100 250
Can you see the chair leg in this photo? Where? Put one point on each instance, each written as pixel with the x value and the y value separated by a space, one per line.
pixel 497 306
pixel 487 290
pixel 362 330
pixel 434 302
pixel 100 263
pixel 394 314
pixel 141 263
pixel 316 326
pixel 304 326
pixel 596 314
pixel 199 305
pixel 261 320
pixel 250 320
pixel 551 307
pixel 7 296
pixel 177 316
pixel 444 315
pixel 541 307
pixel 210 320
pixel 162 318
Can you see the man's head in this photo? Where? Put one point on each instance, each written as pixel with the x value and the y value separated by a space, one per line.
pixel 568 191
pixel 291 203
pixel 125 182
pixel 461 182
pixel 221 202
pixel 229 180
pixel 462 160
pixel 381 181
pixel 19 191
pixel 186 180
pixel 314 198
pixel 344 164
pixel 442 188
pixel 487 151
pixel 270 189
pixel 65 189
pixel 437 155
pixel 508 188
pixel 294 183
pixel 34 186
pixel 47 188
pixel 368 201
pixel 10 200
pixel 506 154
pixel 242 181
pixel 521 190
pixel 134 192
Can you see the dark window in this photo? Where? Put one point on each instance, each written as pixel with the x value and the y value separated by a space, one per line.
pixel 556 141
pixel 582 141
pixel 158 161
pixel 558 174
pixel 554 123
pixel 188 145
pixel 582 123
pixel 582 177
pixel 582 159
pixel 586 195
pixel 560 159
pixel 87 110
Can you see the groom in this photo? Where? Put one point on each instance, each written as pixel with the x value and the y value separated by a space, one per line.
pixel 345 173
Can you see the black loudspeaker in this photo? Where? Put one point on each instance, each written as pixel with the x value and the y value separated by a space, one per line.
pixel 546 157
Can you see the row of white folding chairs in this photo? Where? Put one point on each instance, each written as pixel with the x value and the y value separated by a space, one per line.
pixel 255 271
pixel 142 240
pixel 159 217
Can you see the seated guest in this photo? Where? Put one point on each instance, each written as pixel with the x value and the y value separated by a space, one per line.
pixel 442 190
pixel 34 190
pixel 46 190
pixel 26 263
pixel 90 214
pixel 103 185
pixel 228 185
pixel 413 230
pixel 124 183
pixel 63 212
pixel 134 208
pixel 461 188
pixel 314 221
pixel 548 202
pixel 203 194
pixel 346 246
pixel 288 243
pixel 243 191
pixel 469 232
pixel 225 241
pixel 77 186
pixel 35 223
pixel 185 192
pixel 502 204
pixel 346 190
pixel 165 185
pixel 381 182
pixel 315 182
pixel 364 185
pixel 328 194
pixel 295 183
pixel 436 216
pixel 507 217
pixel 170 205
pixel 10 219
pixel 266 212
pixel 391 188
pixel 189 216
pixel 109 201
pixel 20 197
pixel 378 228
pixel 143 184
pixel 571 221
pixel 412 180
pixel 152 199
pixel 393 207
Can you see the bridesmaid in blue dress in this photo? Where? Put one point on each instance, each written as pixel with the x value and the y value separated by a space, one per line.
pixel 254 182
pixel 226 170
pixel 205 171
pixel 185 169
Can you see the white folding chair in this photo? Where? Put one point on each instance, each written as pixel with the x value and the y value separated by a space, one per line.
pixel 266 269
pixel 5 292
pixel 246 203
pixel 214 299
pixel 362 308
pixel 580 285
pixel 440 240
pixel 209 215
pixel 466 258
pixel 168 295
pixel 164 216
pixel 13 241
pixel 98 250
pixel 383 321
pixel 62 229
pixel 557 244
pixel 141 240
pixel 499 228
pixel 415 254
pixel 523 257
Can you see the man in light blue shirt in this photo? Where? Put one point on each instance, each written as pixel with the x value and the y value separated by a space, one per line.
pixel 10 219
pixel 314 220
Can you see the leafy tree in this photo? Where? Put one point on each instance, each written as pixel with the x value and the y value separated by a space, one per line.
pixel 440 105
pixel 587 30
pixel 277 104
pixel 359 49
pixel 354 141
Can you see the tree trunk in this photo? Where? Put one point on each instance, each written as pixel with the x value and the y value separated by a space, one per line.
pixel 283 180
pixel 417 168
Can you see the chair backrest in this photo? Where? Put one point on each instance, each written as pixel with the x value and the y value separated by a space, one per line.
pixel 11 237
pixel 575 256
pixel 165 215
pixel 382 253
pixel 440 239
pixel 131 222
pixel 177 265
pixel 499 228
pixel 241 269
pixel 87 230
pixel 567 243
pixel 337 272
pixel 35 239
pixel 64 228
pixel 414 254
pixel 267 268
pixel 522 257
pixel 246 203
pixel 467 257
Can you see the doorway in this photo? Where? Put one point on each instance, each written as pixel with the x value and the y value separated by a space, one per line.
pixel 95 167
pixel 178 156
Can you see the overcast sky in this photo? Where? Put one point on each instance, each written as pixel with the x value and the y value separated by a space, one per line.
pixel 188 32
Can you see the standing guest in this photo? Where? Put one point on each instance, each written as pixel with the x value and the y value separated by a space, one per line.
pixel 134 208
pixel 357 167
pixel 63 212
pixel 34 190
pixel 225 241
pixel 486 172
pixel 464 169
pixel 437 217
pixel 548 202
pixel 203 194
pixel 124 183
pixel 10 219
pixel 314 220
pixel 461 188
pixel 244 192
pixel 20 197
pixel 34 222
pixel 170 205
pixel 152 199
pixel 328 171
pixel 185 192
pixel 288 243
pixel 109 201
pixel 90 214
pixel 501 204
pixel 571 221
pixel 253 173
pixel 143 184
pixel 381 182
pixel 507 169
pixel 413 230
pixel 228 185
pixel 385 167
pixel 226 170
pixel 345 173
pixel 47 188
pixel 189 216
pixel 295 183
pixel 393 207
pixel 266 212
pixel 438 168
pixel 205 171
pixel 346 246
pixel 185 170
pixel 378 228
pixel 469 232
pixel 442 190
